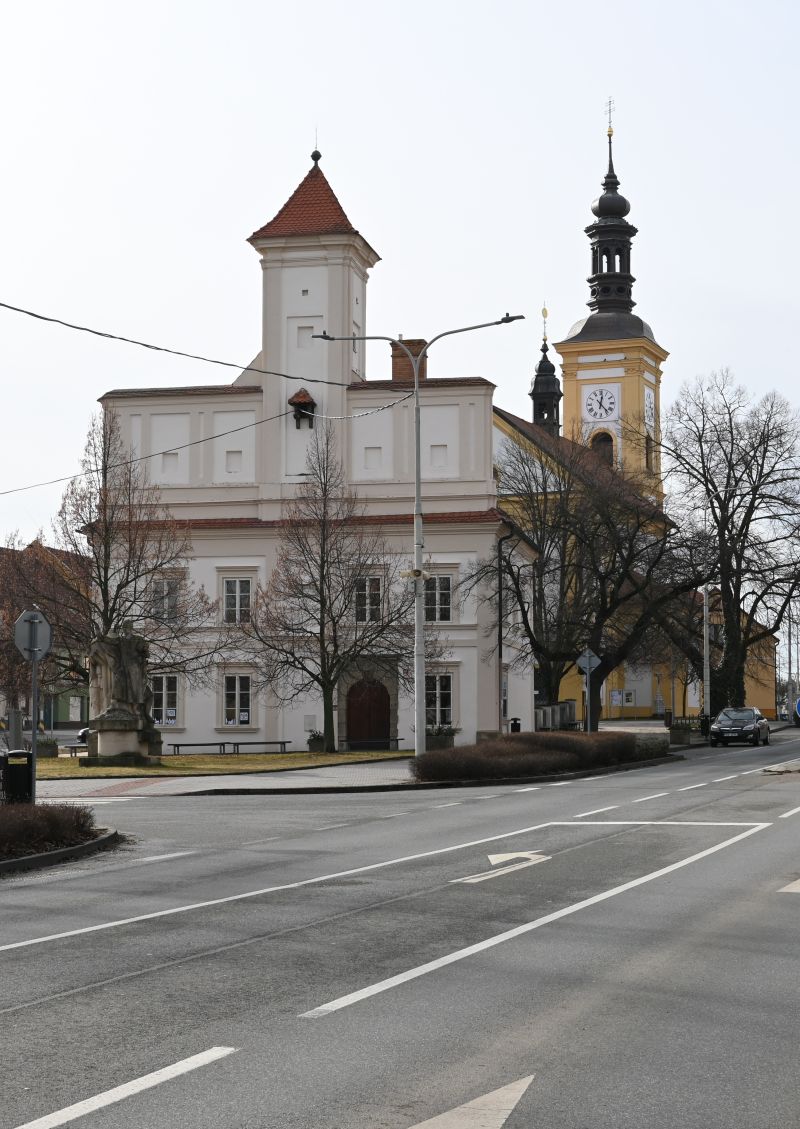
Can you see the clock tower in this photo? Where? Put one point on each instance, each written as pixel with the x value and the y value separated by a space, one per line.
pixel 611 362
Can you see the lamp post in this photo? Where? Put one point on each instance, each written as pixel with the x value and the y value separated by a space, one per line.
pixel 417 571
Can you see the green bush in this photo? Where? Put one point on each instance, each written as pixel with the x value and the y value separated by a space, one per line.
pixel 527 754
pixel 30 829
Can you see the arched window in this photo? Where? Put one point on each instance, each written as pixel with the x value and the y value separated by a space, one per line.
pixel 603 445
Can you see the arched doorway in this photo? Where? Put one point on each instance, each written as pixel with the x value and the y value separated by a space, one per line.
pixel 368 715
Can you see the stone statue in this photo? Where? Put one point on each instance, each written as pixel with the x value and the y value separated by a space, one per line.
pixel 118 674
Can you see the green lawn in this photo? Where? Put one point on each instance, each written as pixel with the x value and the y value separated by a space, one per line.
pixel 69 768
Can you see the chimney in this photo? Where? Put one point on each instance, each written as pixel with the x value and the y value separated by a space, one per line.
pixel 402 371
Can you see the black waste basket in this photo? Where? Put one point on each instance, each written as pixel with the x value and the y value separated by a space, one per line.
pixel 515 726
pixel 667 718
pixel 16 777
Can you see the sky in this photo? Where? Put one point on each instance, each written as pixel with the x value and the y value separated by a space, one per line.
pixel 143 143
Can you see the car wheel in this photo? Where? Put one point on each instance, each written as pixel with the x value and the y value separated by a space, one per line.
pixel 767 738
pixel 713 742
pixel 756 740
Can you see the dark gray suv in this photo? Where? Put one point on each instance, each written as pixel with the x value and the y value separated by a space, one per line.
pixel 739 723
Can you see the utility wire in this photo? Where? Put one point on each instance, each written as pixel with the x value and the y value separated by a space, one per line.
pixel 171 352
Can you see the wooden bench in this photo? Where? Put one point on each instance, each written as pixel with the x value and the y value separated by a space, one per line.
pixel 218 745
pixel 237 745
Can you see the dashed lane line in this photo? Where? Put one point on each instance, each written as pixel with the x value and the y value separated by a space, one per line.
pixel 595 811
pixel 452 804
pixel 786 814
pixel 689 787
pixel 720 779
pixel 128 1089
pixel 655 796
pixel 533 788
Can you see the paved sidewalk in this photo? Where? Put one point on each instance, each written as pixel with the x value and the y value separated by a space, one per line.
pixel 377 774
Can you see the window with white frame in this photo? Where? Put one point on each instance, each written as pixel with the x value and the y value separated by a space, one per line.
pixel 236 598
pixel 439 599
pixel 164 598
pixel 165 699
pixel 438 699
pixel 369 599
pixel 237 705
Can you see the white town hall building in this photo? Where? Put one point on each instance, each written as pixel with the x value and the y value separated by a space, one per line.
pixel 231 489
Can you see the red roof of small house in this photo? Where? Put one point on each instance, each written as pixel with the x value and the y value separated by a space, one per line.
pixel 312 209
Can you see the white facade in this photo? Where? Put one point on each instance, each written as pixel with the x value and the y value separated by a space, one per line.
pixel 233 486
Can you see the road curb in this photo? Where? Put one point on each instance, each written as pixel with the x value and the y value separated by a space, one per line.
pixel 63 854
pixel 414 786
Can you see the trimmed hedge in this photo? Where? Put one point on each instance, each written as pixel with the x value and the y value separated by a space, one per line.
pixel 529 754
pixel 32 829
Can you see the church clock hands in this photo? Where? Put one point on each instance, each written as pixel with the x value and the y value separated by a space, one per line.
pixel 600 403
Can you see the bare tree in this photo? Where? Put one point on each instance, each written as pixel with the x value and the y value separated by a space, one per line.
pixel 116 555
pixel 335 600
pixel 610 562
pixel 733 474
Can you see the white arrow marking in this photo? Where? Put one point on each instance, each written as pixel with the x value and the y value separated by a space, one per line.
pixel 792 888
pixel 531 857
pixel 489 1112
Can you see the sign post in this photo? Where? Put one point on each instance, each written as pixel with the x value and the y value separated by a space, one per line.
pixel 33 637
pixel 587 663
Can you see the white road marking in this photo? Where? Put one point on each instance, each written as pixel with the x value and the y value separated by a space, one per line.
pixel 491 1111
pixel 558 784
pixel 330 826
pixel 162 858
pixel 94 800
pixel 595 811
pixel 689 787
pixel 655 796
pixel 491 797
pixel 452 804
pixel 792 888
pixel 257 842
pixel 268 890
pixel 394 815
pixel 720 779
pixel 128 1089
pixel 750 771
pixel 534 788
pixel 531 859
pixel 529 926
pixel 786 814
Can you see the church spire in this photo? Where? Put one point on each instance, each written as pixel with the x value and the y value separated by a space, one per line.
pixel 611 281
pixel 546 389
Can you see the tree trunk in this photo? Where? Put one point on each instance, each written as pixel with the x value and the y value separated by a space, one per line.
pixel 595 704
pixel 329 725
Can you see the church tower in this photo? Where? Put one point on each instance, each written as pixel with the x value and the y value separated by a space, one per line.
pixel 315 267
pixel 611 362
pixel 546 389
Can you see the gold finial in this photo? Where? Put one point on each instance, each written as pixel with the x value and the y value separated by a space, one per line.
pixel 610 107
pixel 544 323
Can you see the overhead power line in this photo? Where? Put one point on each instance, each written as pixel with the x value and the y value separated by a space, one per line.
pixel 165 349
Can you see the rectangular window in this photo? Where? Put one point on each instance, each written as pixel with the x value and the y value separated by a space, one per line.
pixel 165 599
pixel 237 600
pixel 237 699
pixel 438 599
pixel 438 699
pixel 368 599
pixel 165 699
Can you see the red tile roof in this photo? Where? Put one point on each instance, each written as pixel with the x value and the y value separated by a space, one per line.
pixel 312 209
pixel 466 517
pixel 302 396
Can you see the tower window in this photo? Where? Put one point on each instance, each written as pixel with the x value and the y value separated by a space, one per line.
pixel 648 452
pixel 603 445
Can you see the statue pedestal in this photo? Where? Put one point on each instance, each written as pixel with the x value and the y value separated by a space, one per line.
pixel 119 737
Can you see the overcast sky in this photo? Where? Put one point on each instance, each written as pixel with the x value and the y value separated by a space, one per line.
pixel 142 144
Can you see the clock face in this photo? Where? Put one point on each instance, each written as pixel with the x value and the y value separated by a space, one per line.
pixel 601 403
pixel 649 407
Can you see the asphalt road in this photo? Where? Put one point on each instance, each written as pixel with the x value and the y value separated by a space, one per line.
pixel 627 957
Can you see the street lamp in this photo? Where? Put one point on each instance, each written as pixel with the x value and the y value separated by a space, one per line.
pixel 418 575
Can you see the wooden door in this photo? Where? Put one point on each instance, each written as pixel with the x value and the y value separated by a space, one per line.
pixel 368 710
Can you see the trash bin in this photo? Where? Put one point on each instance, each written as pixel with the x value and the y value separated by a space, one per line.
pixel 515 726
pixel 667 719
pixel 16 777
